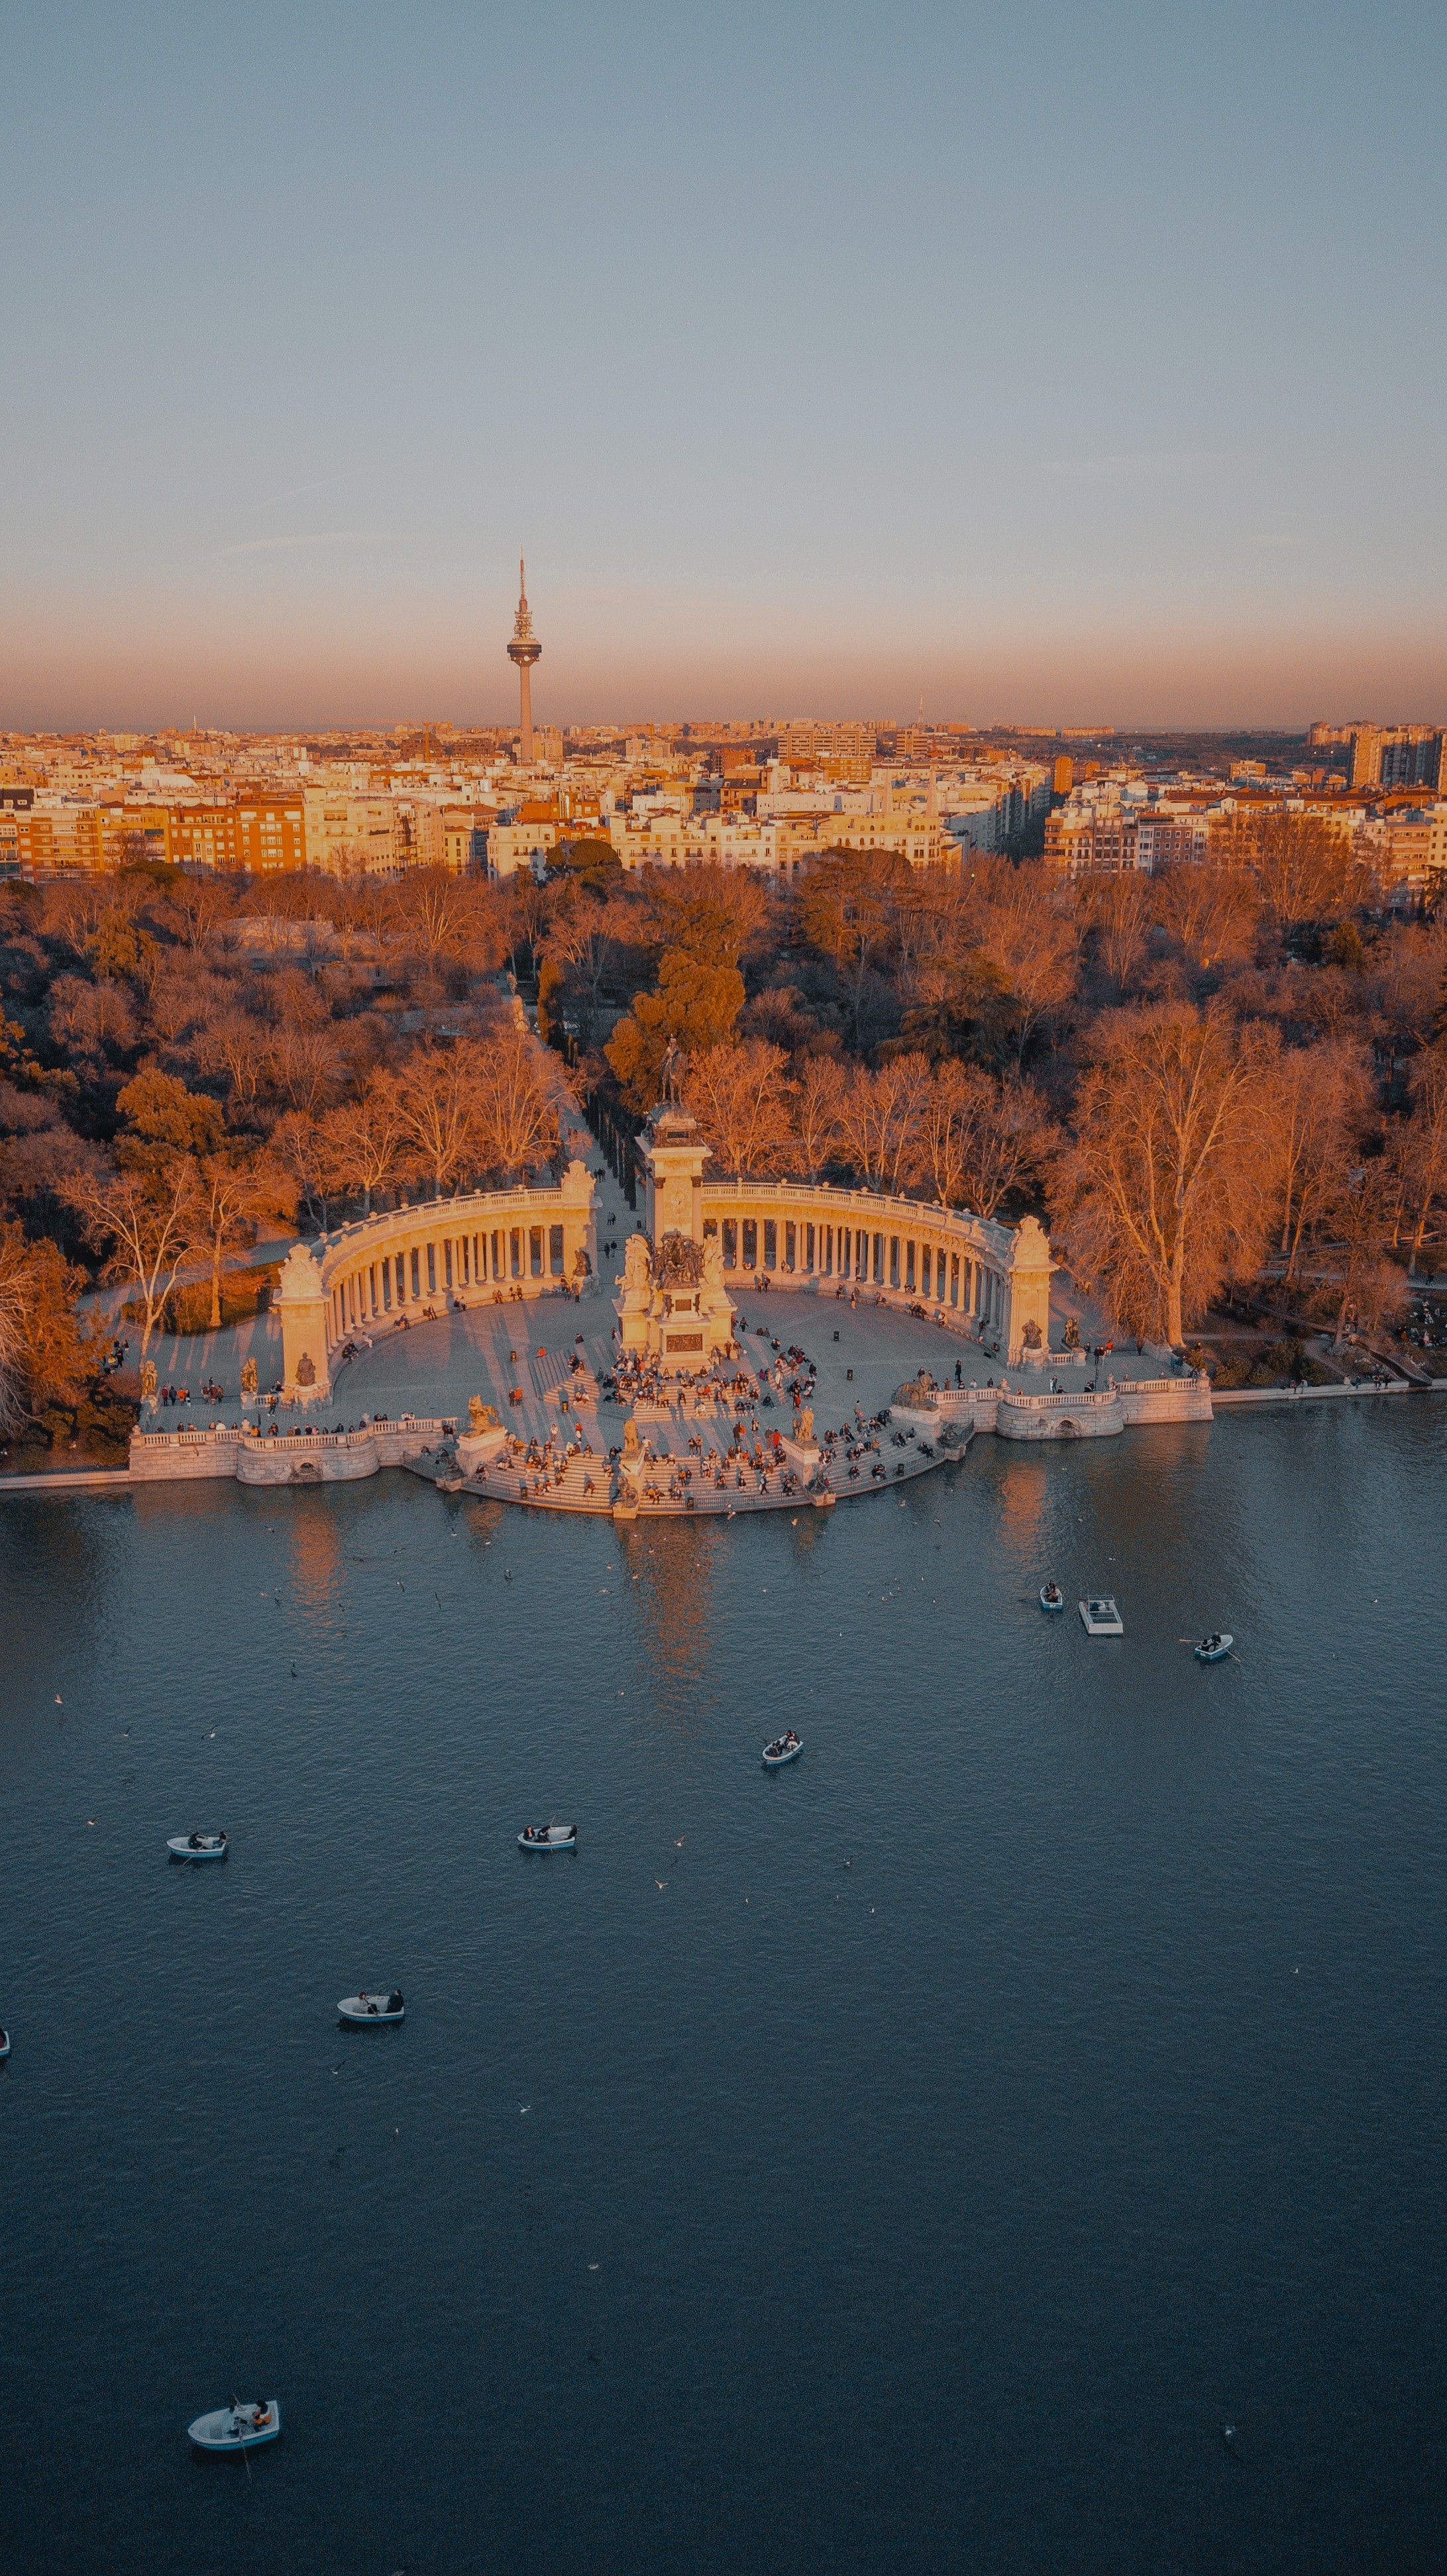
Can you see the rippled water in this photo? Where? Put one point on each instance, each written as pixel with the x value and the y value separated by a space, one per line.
pixel 1042 2075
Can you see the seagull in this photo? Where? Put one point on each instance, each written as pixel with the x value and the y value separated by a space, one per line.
pixel 90 1820
pixel 678 1846
pixel 592 2267
pixel 660 1883
pixel 524 2106
pixel 1228 2432
pixel 59 1702
pixel 211 1738
pixel 507 1575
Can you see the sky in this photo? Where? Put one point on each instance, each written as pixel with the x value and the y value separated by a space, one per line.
pixel 1041 363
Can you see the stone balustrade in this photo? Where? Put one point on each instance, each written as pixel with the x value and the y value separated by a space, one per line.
pixel 256 1457
pixel 1085 1414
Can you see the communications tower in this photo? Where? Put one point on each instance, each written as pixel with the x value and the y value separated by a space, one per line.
pixel 524 650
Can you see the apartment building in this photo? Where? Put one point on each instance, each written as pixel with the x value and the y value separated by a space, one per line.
pixel 524 839
pixel 264 835
pixel 1407 845
pixel 452 836
pixel 803 745
pixel 1100 838
pixel 54 837
pixel 350 835
pixel 1398 756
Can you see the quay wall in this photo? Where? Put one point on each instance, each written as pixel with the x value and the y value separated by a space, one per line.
pixel 286 1458
pixel 1087 1414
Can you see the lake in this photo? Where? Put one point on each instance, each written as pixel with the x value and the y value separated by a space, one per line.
pixel 913 2159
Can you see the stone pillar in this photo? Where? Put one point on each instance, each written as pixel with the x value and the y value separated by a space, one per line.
pixel 1027 1290
pixel 673 1158
pixel 580 1220
pixel 301 1303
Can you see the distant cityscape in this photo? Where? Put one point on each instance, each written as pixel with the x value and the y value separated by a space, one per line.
pixel 767 795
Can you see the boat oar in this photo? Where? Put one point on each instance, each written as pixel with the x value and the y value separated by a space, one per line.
pixel 236 2410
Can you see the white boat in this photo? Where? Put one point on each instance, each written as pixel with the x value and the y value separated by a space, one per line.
pixel 370 2008
pixel 548 1838
pixel 1101 1617
pixel 1051 1597
pixel 237 2428
pixel 1214 1649
pixel 785 1748
pixel 198 1846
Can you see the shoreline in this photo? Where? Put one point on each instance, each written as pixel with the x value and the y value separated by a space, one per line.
pixel 349 1457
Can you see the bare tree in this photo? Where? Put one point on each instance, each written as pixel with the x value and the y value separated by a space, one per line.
pixel 818 1090
pixel 437 1111
pixel 223 1215
pixel 149 1221
pixel 521 1091
pixel 740 1097
pixel 880 1117
pixel 1164 1192
pixel 979 1139
pixel 362 1139
pixel 1211 911
pixel 43 1354
pixel 1118 909
pixel 1319 1097
pixel 1015 917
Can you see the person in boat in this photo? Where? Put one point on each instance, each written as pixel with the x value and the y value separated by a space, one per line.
pixel 394 2000
pixel 194 1841
pixel 260 2415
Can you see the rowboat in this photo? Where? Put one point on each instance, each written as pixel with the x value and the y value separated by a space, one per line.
pixel 1051 1597
pixel 198 1846
pixel 365 2008
pixel 237 2428
pixel 785 1748
pixel 548 1838
pixel 1101 1617
pixel 1213 1649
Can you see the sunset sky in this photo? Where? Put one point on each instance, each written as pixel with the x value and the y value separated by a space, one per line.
pixel 1050 362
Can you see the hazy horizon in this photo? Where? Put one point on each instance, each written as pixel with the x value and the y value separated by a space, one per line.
pixel 1059 368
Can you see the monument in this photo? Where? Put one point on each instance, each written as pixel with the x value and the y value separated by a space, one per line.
pixel 301 1303
pixel 674 1307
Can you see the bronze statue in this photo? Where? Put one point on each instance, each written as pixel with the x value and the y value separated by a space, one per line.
pixel 670 1075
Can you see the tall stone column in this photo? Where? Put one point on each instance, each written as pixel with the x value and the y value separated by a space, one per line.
pixel 1027 1290
pixel 301 1303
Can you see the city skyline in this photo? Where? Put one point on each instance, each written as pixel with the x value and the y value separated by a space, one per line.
pixel 1026 367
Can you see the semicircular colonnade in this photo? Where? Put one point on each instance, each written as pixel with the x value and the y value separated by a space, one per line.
pixel 988 1280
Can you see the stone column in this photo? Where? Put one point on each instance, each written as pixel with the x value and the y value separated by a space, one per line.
pixel 301 1303
pixel 579 1213
pixel 1027 1287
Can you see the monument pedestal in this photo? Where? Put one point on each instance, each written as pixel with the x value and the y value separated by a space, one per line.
pixel 674 1307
